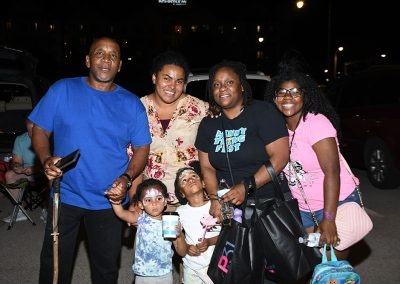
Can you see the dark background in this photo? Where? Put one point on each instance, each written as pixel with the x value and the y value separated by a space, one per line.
pixel 58 33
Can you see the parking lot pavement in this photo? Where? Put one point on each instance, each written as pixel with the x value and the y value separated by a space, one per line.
pixel 21 245
pixel 376 258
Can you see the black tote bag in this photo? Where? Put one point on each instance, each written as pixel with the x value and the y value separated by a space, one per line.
pixel 236 258
pixel 277 230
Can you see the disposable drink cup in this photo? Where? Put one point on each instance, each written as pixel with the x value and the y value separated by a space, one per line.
pixel 169 222
pixel 222 192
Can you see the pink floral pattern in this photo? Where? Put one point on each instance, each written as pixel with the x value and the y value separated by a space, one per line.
pixel 174 148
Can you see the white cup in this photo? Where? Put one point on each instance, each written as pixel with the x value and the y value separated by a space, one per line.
pixel 169 222
pixel 222 192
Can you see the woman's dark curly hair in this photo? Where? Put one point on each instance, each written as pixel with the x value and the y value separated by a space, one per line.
pixel 239 69
pixel 150 183
pixel 170 57
pixel 314 100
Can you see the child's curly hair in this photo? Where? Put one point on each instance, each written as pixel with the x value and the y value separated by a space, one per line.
pixel 193 166
pixel 149 183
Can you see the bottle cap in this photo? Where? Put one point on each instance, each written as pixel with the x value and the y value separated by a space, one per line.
pixel 237 212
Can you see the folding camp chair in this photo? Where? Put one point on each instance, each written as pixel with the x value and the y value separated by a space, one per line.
pixel 17 202
pixel 36 193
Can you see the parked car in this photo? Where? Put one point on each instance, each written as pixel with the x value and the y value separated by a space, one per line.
pixel 368 104
pixel 20 90
pixel 197 83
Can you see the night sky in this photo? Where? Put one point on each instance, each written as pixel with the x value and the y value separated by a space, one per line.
pixel 363 28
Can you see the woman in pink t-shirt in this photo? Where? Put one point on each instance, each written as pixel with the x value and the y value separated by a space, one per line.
pixel 317 173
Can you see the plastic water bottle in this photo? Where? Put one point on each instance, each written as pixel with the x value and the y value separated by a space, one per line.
pixel 227 208
pixel 310 240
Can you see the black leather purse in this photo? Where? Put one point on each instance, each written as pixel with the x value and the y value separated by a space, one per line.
pixel 277 230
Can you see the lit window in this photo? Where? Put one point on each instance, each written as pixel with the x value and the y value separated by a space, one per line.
pixel 194 28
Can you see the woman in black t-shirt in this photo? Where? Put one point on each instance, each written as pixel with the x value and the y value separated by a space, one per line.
pixel 252 132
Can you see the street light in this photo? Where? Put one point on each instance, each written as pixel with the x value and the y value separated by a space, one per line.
pixel 335 59
pixel 300 4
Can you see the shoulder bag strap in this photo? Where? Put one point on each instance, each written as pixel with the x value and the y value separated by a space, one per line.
pixel 226 150
pixel 354 179
pixel 274 179
pixel 303 194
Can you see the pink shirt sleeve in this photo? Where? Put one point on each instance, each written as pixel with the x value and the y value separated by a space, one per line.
pixel 321 128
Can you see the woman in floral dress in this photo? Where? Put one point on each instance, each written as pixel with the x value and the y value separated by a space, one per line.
pixel 174 118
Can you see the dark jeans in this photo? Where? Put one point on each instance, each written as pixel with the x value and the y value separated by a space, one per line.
pixel 104 234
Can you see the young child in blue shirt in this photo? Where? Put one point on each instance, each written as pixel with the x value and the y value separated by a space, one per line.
pixel 153 253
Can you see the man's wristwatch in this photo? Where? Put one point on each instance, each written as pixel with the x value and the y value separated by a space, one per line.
pixel 128 177
pixel 249 184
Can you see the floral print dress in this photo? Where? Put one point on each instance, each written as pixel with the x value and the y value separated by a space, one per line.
pixel 173 148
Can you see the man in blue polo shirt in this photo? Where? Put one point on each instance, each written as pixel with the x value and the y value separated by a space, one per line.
pixel 101 119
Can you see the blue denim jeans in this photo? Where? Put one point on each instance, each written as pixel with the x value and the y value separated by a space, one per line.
pixel 306 216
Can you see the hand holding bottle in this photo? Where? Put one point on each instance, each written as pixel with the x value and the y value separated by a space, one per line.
pixel 310 240
pixel 227 208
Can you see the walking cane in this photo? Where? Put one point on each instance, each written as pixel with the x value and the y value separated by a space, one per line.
pixel 56 187
pixel 61 164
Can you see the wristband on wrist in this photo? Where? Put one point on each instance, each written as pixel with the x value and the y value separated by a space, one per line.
pixel 329 215
pixel 249 184
pixel 212 196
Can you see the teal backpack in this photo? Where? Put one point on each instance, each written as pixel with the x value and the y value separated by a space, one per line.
pixel 334 271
